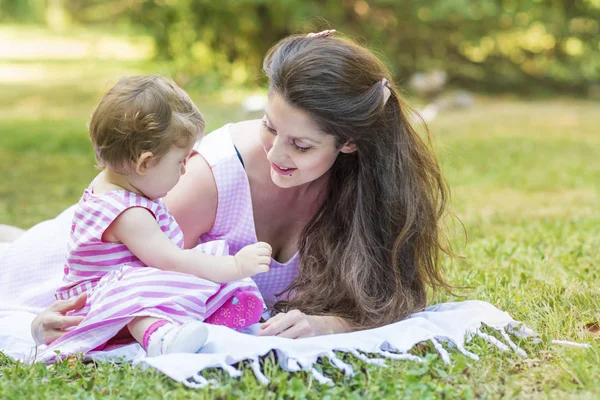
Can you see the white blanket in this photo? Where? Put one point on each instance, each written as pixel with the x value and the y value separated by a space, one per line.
pixel 27 283
pixel 453 323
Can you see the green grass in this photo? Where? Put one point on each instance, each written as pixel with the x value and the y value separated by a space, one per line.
pixel 525 178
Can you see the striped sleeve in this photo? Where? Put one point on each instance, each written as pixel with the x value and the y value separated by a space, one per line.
pixel 98 213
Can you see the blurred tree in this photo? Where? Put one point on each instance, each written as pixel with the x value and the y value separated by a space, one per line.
pixel 57 17
pixel 22 10
pixel 493 45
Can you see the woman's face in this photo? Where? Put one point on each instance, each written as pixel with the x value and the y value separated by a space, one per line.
pixel 298 152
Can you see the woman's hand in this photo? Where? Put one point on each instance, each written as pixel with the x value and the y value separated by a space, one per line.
pixel 52 323
pixel 295 325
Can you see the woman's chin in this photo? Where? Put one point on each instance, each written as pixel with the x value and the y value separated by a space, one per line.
pixel 283 181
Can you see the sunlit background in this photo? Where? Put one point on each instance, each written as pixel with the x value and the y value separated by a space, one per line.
pixel 510 90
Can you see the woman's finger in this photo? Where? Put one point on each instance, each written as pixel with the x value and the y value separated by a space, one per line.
pixel 60 306
pixel 51 336
pixel 63 306
pixel 64 322
pixel 295 331
pixel 271 320
pixel 277 327
pixel 52 326
pixel 302 327
pixel 80 301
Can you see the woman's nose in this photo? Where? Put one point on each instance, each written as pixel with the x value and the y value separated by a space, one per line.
pixel 276 154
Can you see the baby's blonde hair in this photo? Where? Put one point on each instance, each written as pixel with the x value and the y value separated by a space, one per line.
pixel 142 114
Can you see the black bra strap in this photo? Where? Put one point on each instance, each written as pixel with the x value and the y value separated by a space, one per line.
pixel 239 156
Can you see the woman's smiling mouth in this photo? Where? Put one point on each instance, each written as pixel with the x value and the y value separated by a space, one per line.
pixel 282 170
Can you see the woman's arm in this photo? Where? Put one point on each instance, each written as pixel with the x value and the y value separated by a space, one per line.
pixel 295 325
pixel 137 229
pixel 193 201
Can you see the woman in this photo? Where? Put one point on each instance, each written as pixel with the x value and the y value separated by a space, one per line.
pixel 334 178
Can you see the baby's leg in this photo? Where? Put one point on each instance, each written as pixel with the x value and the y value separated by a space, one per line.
pixel 139 326
pixel 159 336
pixel 241 310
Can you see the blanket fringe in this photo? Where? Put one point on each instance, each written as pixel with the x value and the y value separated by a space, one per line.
pixel 400 356
pixel 572 344
pixel 492 340
pixel 442 351
pixel 466 352
pixel 197 381
pixel 322 379
pixel 512 344
pixel 233 372
pixel 385 351
pixel 347 368
pixel 373 361
pixel 293 365
pixel 502 346
pixel 258 373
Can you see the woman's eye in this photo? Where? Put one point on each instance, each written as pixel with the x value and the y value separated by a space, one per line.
pixel 300 148
pixel 268 127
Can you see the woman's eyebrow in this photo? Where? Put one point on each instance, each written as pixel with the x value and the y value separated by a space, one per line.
pixel 293 137
pixel 269 119
pixel 306 138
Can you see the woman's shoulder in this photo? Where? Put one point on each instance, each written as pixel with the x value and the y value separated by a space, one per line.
pixel 224 143
pixel 193 201
pixel 216 145
pixel 244 128
pixel 246 138
pixel 244 132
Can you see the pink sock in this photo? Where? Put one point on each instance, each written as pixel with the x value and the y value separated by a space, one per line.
pixel 240 311
pixel 151 329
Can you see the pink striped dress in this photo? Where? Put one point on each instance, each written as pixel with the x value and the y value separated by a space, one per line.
pixel 120 286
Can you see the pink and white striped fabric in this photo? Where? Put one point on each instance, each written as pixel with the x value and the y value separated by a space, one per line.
pixel 234 221
pixel 120 286
pixel 89 258
pixel 131 292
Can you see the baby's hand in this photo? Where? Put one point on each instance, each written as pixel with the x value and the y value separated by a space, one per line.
pixel 253 259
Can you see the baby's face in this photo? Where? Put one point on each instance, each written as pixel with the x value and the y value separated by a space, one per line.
pixel 162 176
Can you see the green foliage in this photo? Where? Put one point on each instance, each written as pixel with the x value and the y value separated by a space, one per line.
pixel 22 10
pixel 487 45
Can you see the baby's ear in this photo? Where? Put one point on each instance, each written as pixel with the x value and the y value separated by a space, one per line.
pixel 143 162
pixel 348 147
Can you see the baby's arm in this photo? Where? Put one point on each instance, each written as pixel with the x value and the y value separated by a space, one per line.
pixel 137 229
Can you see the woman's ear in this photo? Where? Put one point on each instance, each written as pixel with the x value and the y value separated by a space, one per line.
pixel 143 162
pixel 348 147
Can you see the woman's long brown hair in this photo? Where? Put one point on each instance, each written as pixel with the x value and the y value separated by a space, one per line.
pixel 372 249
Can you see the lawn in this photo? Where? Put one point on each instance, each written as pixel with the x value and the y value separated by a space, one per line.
pixel 525 178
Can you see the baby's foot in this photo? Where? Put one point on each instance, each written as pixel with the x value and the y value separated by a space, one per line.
pixel 172 338
pixel 239 312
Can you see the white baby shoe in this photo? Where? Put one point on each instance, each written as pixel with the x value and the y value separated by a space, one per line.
pixel 172 338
